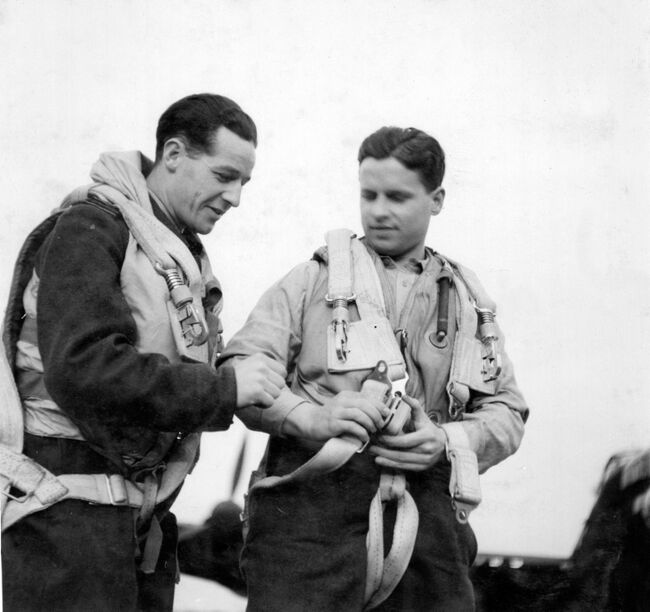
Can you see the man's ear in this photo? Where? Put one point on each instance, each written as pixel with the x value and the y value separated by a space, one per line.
pixel 437 199
pixel 174 150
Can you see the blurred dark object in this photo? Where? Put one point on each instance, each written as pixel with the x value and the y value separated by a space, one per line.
pixel 212 550
pixel 609 569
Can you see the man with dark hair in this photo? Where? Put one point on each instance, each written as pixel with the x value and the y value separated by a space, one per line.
pixel 112 331
pixel 350 470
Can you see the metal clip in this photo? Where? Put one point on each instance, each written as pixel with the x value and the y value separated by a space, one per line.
pixel 490 355
pixel 341 339
pixel 193 326
pixel 340 323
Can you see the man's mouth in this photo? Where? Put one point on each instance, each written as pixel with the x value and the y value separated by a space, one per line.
pixel 216 211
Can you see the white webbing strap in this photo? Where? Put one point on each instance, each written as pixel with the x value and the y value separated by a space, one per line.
pixel 339 264
pixel 335 453
pixel 383 574
pixel 111 490
pixel 42 489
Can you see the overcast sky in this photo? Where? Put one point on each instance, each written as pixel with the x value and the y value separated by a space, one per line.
pixel 541 107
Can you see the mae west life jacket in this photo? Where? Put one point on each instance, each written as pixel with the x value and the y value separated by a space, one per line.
pixel 164 287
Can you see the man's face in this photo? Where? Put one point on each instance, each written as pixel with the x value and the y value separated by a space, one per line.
pixel 203 187
pixel 396 208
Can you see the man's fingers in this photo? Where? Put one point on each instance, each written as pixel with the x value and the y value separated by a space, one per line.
pixel 354 429
pixel 409 440
pixel 277 367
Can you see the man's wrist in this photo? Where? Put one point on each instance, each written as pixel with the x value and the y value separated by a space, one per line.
pixel 294 422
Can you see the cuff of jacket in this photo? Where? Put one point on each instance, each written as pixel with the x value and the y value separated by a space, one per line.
pixel 225 400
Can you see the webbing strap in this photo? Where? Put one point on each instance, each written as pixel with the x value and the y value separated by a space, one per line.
pixel 339 265
pixel 367 286
pixel 43 489
pixel 102 489
pixel 384 574
pixel 335 453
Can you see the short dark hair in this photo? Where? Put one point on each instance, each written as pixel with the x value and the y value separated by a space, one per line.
pixel 412 147
pixel 197 117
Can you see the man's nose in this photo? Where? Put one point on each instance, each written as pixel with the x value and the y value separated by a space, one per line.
pixel 380 209
pixel 232 194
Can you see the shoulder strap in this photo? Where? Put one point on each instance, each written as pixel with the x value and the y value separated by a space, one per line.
pixel 473 285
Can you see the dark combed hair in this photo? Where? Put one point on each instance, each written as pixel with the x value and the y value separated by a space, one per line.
pixel 196 118
pixel 412 147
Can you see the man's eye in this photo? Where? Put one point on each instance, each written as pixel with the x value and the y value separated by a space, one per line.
pixel 223 178
pixel 368 195
pixel 397 197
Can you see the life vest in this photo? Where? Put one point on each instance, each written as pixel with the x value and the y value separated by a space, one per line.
pixel 170 320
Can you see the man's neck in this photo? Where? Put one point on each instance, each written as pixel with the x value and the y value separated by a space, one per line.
pixel 158 194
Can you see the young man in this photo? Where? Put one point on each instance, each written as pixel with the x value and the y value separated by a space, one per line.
pixel 315 537
pixel 112 329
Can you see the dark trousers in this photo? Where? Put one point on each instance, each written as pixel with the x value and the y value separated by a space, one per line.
pixel 306 547
pixel 77 556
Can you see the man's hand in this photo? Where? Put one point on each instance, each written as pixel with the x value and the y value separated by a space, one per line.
pixel 259 380
pixel 348 412
pixel 417 450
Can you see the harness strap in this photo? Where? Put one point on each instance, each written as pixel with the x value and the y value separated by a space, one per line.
pixel 464 483
pixel 111 490
pixel 384 574
pixel 43 489
pixel 339 286
pixel 475 313
pixel 357 345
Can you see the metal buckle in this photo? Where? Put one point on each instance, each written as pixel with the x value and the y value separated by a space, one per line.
pixel 20 500
pixel 119 496
pixel 192 325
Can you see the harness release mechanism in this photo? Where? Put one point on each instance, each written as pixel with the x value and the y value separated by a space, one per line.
pixel 193 326
pixel 340 323
pixel 378 385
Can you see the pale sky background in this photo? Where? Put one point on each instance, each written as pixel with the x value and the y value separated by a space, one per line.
pixel 542 108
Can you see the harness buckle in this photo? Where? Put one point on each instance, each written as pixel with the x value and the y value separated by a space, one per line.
pixel 116 490
pixel 491 357
pixel 193 326
pixel 194 329
pixel 20 500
